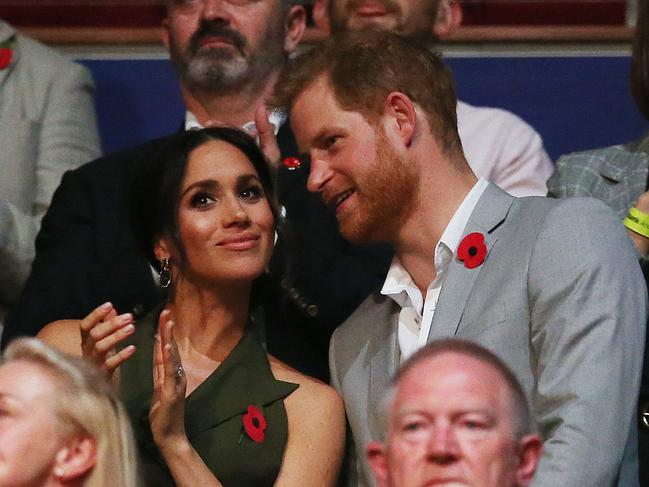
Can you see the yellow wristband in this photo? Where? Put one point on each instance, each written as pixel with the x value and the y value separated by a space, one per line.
pixel 637 221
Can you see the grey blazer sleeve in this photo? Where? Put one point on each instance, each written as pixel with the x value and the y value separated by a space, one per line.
pixel 64 131
pixel 349 471
pixel 588 311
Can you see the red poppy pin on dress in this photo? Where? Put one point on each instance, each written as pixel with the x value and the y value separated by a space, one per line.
pixel 472 250
pixel 254 424
pixel 6 55
pixel 291 163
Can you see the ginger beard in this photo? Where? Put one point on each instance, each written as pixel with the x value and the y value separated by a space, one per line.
pixel 386 195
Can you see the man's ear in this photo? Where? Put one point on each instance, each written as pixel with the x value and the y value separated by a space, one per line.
pixel 400 116
pixel 375 453
pixel 529 455
pixel 76 458
pixel 449 18
pixel 294 27
pixel 321 15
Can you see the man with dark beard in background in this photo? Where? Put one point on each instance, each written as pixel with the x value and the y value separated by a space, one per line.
pixel 227 55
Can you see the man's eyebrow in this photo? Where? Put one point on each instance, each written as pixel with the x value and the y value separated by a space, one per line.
pixel 486 411
pixel 322 135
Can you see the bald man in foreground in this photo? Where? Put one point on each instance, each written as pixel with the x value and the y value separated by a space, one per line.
pixel 456 415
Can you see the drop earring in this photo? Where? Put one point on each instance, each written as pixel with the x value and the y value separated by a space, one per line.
pixel 164 274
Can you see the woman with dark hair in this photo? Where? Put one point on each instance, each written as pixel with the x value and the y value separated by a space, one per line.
pixel 619 176
pixel 208 405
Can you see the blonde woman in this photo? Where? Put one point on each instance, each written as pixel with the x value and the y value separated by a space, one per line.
pixel 61 423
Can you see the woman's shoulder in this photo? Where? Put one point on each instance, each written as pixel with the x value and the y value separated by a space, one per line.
pixel 64 335
pixel 316 422
pixel 310 390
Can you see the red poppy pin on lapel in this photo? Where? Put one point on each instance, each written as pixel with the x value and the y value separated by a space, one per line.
pixel 254 424
pixel 6 55
pixel 292 163
pixel 472 250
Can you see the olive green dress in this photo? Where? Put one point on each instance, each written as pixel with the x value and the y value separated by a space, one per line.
pixel 213 413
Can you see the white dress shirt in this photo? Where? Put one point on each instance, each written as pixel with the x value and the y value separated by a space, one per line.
pixel 276 118
pixel 417 313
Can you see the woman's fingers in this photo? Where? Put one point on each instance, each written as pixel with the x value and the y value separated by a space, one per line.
pixel 174 374
pixel 106 344
pixel 101 331
pixel 109 327
pixel 158 363
pixel 119 358
pixel 96 316
pixel 168 402
pixel 164 327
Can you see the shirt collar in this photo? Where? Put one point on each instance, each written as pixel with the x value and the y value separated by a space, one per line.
pixel 276 118
pixel 398 280
pixel 397 283
pixel 457 224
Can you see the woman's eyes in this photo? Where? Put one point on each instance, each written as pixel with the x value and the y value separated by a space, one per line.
pixel 200 200
pixel 252 193
pixel 248 193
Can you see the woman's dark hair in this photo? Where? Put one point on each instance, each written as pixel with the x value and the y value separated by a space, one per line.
pixel 155 190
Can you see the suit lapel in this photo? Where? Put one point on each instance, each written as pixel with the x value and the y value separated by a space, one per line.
pixel 243 379
pixel 489 214
pixel 629 171
pixel 384 350
pixel 7 35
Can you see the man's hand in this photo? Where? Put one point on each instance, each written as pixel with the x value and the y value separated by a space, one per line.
pixel 641 242
pixel 267 139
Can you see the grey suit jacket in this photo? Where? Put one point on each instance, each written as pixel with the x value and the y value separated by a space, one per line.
pixel 560 298
pixel 47 126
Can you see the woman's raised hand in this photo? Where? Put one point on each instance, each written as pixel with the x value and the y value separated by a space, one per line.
pixel 101 331
pixel 167 415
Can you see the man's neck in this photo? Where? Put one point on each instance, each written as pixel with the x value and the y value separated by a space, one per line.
pixel 420 234
pixel 234 107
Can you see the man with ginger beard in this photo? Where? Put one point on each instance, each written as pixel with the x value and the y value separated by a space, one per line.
pixel 499 146
pixel 552 287
pixel 227 54
pixel 456 415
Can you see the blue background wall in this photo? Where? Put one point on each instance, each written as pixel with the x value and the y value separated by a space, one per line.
pixel 574 102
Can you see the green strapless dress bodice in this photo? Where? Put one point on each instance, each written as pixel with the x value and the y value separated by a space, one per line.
pixel 213 413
